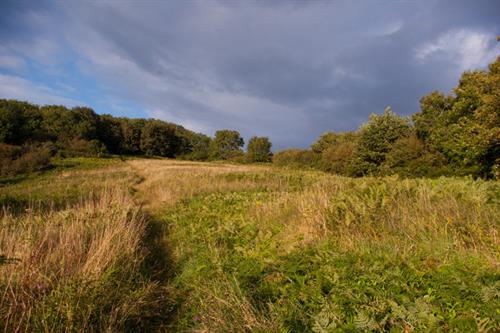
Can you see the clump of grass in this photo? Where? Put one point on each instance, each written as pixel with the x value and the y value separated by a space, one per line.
pixel 71 266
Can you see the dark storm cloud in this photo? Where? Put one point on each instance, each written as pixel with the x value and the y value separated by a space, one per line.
pixel 286 69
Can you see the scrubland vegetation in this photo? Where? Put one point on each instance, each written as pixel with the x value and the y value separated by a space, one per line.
pixel 165 245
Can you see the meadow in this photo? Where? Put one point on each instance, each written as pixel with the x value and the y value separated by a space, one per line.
pixel 105 245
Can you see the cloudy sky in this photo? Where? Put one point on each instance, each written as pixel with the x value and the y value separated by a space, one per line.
pixel 289 70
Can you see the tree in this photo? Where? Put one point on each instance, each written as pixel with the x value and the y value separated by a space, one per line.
pixel 376 139
pixel 159 138
pixel 110 133
pixel 465 127
pixel 435 108
pixel 411 158
pixel 19 122
pixel 329 139
pixel 226 144
pixel 325 141
pixel 131 132
pixel 199 147
pixel 259 149
pixel 62 124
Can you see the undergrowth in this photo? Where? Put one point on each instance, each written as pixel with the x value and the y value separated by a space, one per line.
pixel 413 255
pixel 160 245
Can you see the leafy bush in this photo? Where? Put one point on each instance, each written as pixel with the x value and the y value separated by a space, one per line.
pixel 159 138
pixel 297 158
pixel 409 157
pixel 80 147
pixel 338 158
pixel 16 160
pixel 376 139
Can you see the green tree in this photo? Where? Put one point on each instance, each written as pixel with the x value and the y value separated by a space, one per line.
pixel 410 157
pixel 226 144
pixel 199 147
pixel 376 139
pixel 329 139
pixel 159 138
pixel 62 124
pixel 434 110
pixel 131 132
pixel 259 149
pixel 465 127
pixel 19 122
pixel 339 157
pixel 110 133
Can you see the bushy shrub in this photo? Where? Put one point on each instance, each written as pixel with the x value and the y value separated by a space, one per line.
pixel 81 147
pixel 16 160
pixel 239 157
pixel 410 157
pixel 197 146
pixel 338 158
pixel 297 158
pixel 159 139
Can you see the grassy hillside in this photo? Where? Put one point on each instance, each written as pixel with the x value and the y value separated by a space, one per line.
pixel 162 245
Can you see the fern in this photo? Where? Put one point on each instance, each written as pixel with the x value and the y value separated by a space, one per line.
pixel 365 322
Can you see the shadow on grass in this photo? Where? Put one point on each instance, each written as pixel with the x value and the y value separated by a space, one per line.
pixel 17 206
pixel 158 267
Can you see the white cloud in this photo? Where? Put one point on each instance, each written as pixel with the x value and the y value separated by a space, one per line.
pixel 11 62
pixel 14 87
pixel 469 49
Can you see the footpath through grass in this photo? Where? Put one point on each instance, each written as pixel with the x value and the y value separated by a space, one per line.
pixel 160 245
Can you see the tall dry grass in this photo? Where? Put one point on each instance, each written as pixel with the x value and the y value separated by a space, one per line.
pixel 166 182
pixel 447 213
pixel 78 265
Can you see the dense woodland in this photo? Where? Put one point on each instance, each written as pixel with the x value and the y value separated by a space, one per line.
pixel 456 134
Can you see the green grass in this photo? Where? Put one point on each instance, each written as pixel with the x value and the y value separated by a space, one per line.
pixel 236 276
pixel 63 185
pixel 246 248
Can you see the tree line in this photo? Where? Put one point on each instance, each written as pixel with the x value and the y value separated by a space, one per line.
pixel 456 134
pixel 30 135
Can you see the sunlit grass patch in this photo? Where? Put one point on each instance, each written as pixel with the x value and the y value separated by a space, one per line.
pixel 340 255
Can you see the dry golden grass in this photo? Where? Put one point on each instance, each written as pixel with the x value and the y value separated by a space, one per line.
pixel 402 213
pixel 50 248
pixel 224 295
pixel 165 182
pixel 58 257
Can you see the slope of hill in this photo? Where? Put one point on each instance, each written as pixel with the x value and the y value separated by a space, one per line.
pixel 163 245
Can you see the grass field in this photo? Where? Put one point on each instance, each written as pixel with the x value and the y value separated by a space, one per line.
pixel 164 245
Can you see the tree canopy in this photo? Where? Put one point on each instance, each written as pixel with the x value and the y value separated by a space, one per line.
pixel 226 144
pixel 259 149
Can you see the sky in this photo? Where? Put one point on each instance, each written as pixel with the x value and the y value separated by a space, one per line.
pixel 289 70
